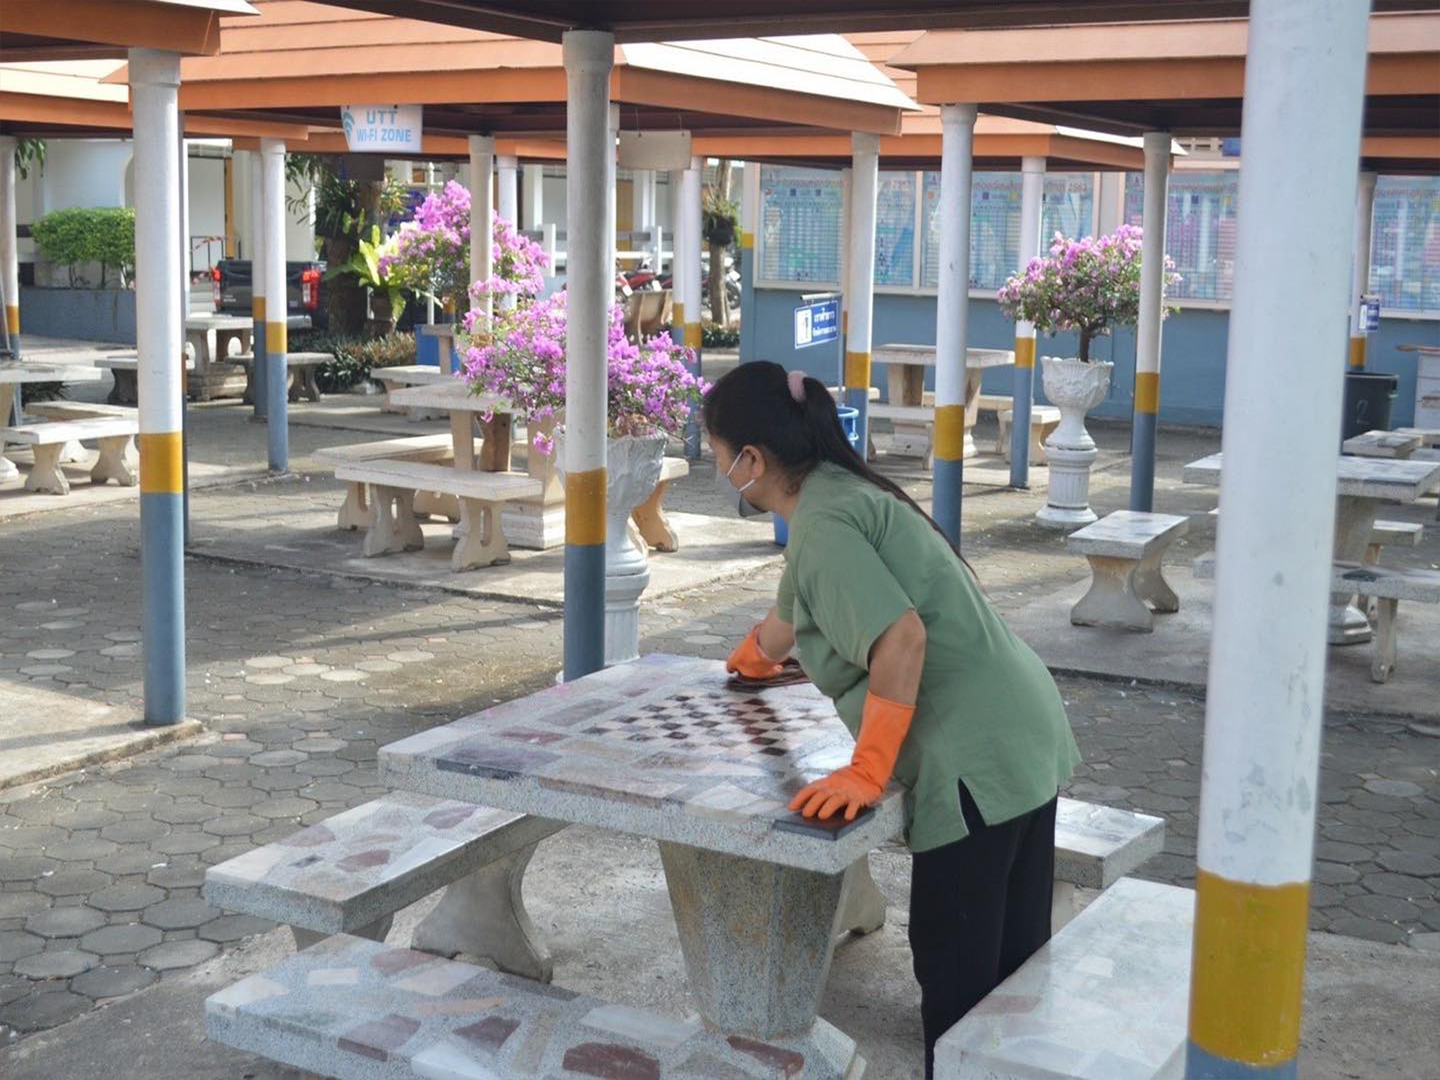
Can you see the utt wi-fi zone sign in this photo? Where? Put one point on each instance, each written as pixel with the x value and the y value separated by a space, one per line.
pixel 383 129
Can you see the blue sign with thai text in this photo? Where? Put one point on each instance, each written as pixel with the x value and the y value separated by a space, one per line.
pixel 817 323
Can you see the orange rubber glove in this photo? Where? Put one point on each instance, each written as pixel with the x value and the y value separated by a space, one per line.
pixel 750 660
pixel 883 726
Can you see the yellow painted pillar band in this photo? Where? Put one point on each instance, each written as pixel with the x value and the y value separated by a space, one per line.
pixel 1357 352
pixel 161 469
pixel 1249 960
pixel 845 322
pixel 950 432
pixel 692 335
pixel 257 309
pixel 677 314
pixel 1025 352
pixel 747 240
pixel 1147 391
pixel 585 507
pixel 857 370
pixel 276 338
pixel 12 318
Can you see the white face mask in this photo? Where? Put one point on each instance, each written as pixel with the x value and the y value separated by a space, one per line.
pixel 744 506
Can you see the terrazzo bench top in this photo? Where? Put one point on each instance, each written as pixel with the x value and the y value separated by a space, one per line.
pixel 1095 846
pixel 352 1008
pixel 1127 534
pixel 664 747
pixel 1106 999
pixel 1357 477
pixel 345 872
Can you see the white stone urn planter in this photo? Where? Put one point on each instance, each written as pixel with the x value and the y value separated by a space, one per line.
pixel 632 465
pixel 1074 387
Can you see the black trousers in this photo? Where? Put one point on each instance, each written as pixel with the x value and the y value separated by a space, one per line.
pixel 978 909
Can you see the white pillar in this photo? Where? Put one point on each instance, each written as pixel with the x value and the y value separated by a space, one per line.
pixel 1264 707
pixel 864 189
pixel 534 211
pixel 690 185
pixel 508 167
pixel 482 204
pixel 1032 211
pixel 256 255
pixel 1360 266
pixel 642 193
pixel 952 307
pixel 9 245
pixel 1147 330
pixel 590 150
pixel 611 195
pixel 277 306
pixel 154 94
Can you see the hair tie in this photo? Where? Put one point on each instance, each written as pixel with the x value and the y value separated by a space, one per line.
pixel 797 386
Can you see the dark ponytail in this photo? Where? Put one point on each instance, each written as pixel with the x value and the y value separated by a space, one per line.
pixel 751 405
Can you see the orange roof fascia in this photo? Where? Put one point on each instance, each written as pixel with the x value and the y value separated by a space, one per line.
pixel 432 145
pixel 123 23
pixel 1006 146
pixel 116 115
pixel 634 86
pixel 1400 146
pixel 400 88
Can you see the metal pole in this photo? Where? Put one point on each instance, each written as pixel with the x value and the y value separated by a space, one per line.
pixel 589 56
pixel 690 183
pixel 865 184
pixel 1147 332
pixel 9 246
pixel 154 94
pixel 1264 705
pixel 1032 210
pixel 183 162
pixel 1360 267
pixel 258 361
pixel 277 321
pixel 952 309
pixel 482 205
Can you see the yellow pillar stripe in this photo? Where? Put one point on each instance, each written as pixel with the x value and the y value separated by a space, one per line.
pixel 692 335
pixel 1025 352
pixel 585 507
pixel 857 370
pixel 677 314
pixel 276 338
pixel 1147 391
pixel 747 240
pixel 1357 352
pixel 12 318
pixel 257 308
pixel 160 463
pixel 950 432
pixel 845 322
pixel 1249 968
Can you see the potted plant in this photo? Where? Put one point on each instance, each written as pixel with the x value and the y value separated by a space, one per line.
pixel 1087 286
pixel 518 355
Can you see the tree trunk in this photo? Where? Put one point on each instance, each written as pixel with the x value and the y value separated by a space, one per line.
pixel 719 303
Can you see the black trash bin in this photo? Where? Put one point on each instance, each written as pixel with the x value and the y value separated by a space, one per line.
pixel 1368 397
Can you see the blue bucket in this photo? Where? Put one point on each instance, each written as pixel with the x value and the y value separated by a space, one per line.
pixel 850 421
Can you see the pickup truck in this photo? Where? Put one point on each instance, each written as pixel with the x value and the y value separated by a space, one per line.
pixel 304 281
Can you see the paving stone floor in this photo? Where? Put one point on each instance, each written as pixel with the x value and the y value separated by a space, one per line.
pixel 300 678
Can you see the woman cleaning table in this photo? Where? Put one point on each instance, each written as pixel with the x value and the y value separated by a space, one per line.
pixel 888 620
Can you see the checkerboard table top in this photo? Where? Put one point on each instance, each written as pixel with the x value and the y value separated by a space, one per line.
pixel 666 747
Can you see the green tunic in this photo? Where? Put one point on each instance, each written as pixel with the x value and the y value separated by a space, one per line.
pixel 988 712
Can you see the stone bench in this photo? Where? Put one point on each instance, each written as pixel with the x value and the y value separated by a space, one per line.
pixel 114 434
pixel 1429 437
pixel 350 873
pixel 402 375
pixel 1403 533
pixel 1044 419
pixel 356 511
pixel 122 368
pixel 649 519
pixel 1384 585
pixel 1106 998
pixel 355 1009
pixel 302 368
pixel 1124 549
pixel 482 497
pixel 1381 444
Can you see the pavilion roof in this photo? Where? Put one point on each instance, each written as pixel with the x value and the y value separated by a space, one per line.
pixel 107 29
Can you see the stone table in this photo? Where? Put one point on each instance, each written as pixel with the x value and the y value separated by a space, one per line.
pixel 668 748
pixel 905 373
pixel 1363 485
pixel 13 373
pixel 1382 444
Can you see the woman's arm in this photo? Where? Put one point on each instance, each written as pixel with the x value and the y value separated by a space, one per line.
pixel 777 637
pixel 897 659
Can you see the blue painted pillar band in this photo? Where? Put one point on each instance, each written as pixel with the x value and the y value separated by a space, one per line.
pixel 1202 1065
pixel 858 398
pixel 1020 426
pixel 949 495
pixel 162 570
pixel 277 409
pixel 584 609
pixel 1142 462
pixel 260 365
pixel 748 318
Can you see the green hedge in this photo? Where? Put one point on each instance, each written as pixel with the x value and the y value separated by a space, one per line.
pixel 89 234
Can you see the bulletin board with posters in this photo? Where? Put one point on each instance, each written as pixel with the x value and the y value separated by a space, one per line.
pixel 802 215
